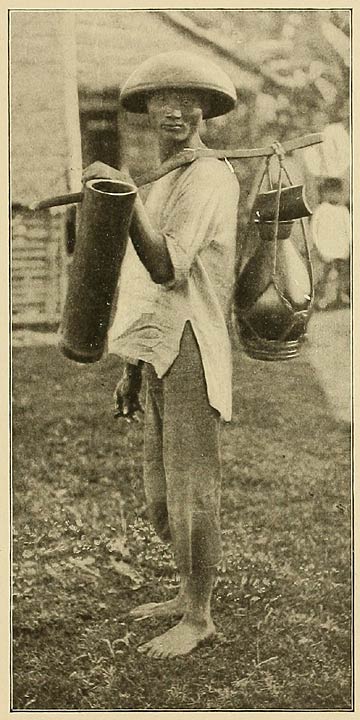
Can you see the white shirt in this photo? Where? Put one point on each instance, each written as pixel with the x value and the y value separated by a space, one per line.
pixel 330 228
pixel 195 208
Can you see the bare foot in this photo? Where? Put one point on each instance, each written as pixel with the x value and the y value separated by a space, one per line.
pixel 179 640
pixel 176 606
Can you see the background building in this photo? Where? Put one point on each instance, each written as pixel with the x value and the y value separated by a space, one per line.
pixel 290 69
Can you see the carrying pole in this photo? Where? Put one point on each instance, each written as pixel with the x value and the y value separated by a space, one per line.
pixel 188 155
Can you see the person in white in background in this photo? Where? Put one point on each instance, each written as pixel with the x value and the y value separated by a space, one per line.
pixel 330 229
pixel 328 163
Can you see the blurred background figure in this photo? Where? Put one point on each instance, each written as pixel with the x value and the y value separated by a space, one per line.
pixel 330 226
pixel 330 229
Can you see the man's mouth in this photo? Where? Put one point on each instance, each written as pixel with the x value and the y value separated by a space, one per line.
pixel 174 126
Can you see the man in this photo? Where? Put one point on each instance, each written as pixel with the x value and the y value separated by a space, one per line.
pixel 174 297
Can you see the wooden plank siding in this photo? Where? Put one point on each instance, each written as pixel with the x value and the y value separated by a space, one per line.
pixel 44 159
pixel 38 267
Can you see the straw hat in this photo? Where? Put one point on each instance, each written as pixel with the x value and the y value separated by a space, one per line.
pixel 180 70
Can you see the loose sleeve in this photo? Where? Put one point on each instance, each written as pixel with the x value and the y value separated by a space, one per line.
pixel 192 220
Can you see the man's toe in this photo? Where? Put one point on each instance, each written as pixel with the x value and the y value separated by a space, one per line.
pixel 143 648
pixel 154 651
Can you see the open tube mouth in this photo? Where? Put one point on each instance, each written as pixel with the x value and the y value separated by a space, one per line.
pixel 111 187
pixel 293 204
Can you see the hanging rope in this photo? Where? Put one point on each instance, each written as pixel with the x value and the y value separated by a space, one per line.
pixel 306 247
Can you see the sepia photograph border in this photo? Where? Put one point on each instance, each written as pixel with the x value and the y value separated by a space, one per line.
pixel 6 373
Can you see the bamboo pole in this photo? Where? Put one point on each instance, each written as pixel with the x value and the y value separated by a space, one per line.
pixel 189 155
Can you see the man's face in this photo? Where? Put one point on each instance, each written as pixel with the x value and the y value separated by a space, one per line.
pixel 175 114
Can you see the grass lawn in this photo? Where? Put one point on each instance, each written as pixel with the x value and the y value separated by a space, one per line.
pixel 83 553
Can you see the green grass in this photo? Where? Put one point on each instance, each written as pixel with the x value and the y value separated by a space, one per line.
pixel 83 553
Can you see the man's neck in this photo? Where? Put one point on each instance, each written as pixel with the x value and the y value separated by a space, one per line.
pixel 169 148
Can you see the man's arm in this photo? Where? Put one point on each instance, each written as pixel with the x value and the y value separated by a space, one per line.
pixel 150 245
pixel 148 242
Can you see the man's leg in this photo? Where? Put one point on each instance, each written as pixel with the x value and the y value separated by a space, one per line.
pixel 192 466
pixel 343 294
pixel 155 489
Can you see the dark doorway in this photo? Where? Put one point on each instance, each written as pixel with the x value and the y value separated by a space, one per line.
pixel 99 127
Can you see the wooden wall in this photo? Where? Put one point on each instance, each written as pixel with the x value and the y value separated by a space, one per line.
pixel 39 267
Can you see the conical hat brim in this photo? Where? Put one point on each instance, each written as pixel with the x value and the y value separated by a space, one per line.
pixel 179 70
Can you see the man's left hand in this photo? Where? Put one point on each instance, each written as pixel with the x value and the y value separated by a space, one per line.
pixel 126 394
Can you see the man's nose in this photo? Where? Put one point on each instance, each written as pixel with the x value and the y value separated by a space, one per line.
pixel 173 111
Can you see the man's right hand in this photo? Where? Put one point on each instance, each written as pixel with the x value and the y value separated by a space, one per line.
pixel 126 394
pixel 99 169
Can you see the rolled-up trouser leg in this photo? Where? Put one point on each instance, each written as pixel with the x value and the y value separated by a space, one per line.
pixel 191 458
